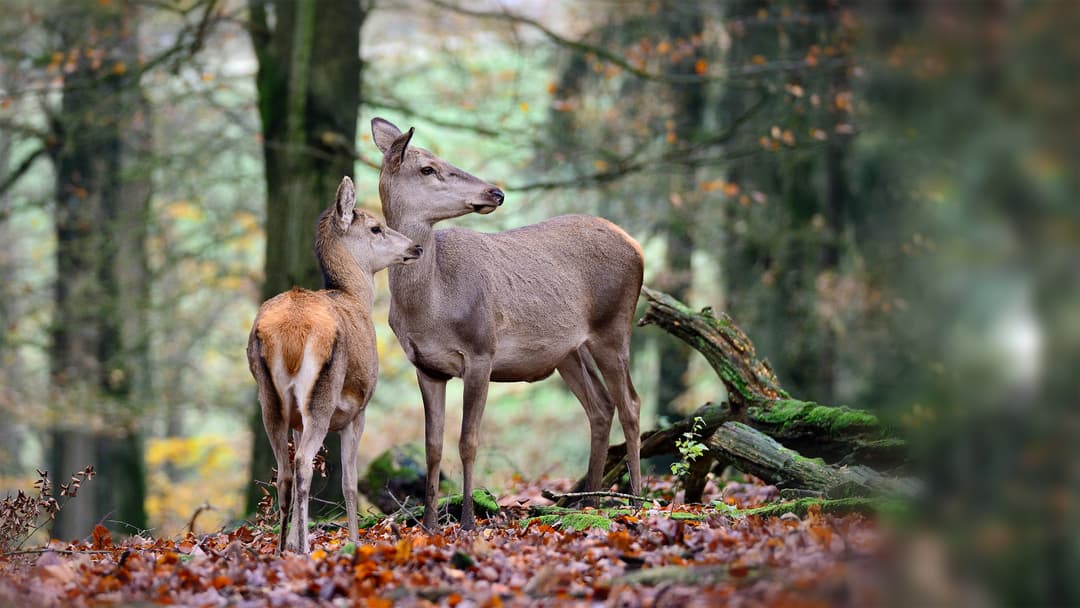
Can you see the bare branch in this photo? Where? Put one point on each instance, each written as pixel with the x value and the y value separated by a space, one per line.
pixel 681 157
pixel 19 171
pixel 722 73
pixel 568 43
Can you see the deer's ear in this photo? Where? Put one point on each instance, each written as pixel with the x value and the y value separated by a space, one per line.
pixel 384 133
pixel 346 201
pixel 396 154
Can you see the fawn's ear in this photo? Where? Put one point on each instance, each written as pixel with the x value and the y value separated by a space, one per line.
pixel 395 156
pixel 384 133
pixel 346 201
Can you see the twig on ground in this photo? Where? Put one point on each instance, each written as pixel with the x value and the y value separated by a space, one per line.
pixel 403 507
pixel 548 494
pixel 206 506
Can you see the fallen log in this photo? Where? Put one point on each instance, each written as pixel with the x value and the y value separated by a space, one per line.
pixel 749 379
pixel 838 506
pixel 756 397
pixel 754 452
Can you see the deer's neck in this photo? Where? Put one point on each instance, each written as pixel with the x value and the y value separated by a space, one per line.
pixel 412 285
pixel 347 276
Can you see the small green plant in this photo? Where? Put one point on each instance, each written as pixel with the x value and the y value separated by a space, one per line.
pixel 689 448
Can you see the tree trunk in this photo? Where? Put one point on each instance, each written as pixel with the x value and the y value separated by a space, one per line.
pixel 11 310
pixel 99 351
pixel 308 85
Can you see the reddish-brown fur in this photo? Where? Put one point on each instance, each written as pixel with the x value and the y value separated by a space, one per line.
pixel 288 321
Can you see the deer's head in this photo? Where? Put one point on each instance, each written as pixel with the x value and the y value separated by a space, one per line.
pixel 371 244
pixel 414 183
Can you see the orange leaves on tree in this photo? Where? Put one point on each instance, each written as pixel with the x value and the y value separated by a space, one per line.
pixel 842 101
pixel 701 66
pixel 728 189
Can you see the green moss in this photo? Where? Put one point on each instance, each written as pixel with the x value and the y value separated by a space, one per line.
pixel 839 506
pixel 389 465
pixel 684 516
pixel 573 521
pixel 370 521
pixel 484 503
pixel 787 413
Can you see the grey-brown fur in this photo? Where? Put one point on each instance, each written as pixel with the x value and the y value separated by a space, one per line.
pixel 507 306
pixel 314 358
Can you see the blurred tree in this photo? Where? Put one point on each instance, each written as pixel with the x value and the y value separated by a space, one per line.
pixel 99 335
pixel 308 85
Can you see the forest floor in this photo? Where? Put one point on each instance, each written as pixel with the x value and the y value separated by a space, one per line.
pixel 719 553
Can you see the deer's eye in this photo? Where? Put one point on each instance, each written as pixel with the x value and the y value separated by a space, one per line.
pixel 427 170
pixel 376 230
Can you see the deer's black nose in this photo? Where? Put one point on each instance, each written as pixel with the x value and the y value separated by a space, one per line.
pixel 496 195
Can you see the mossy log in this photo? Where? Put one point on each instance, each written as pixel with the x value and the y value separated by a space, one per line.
pixel 754 452
pixel 756 397
pixel 748 379
pixel 837 506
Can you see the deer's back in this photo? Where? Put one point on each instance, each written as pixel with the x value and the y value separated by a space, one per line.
pixel 533 294
pixel 571 265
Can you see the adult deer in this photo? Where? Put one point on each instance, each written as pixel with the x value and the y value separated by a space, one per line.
pixel 313 355
pixel 507 306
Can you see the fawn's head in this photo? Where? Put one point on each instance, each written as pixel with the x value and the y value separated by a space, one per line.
pixel 370 243
pixel 414 183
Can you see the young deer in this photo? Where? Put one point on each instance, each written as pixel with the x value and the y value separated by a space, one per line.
pixel 507 306
pixel 313 356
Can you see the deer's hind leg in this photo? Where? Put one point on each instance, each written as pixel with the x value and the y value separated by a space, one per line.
pixel 587 386
pixel 316 414
pixel 612 355
pixel 275 417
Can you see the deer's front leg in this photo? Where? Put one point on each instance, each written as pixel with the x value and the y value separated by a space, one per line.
pixel 434 394
pixel 477 376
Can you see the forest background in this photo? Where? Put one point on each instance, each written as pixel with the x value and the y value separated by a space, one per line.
pixel 882 195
